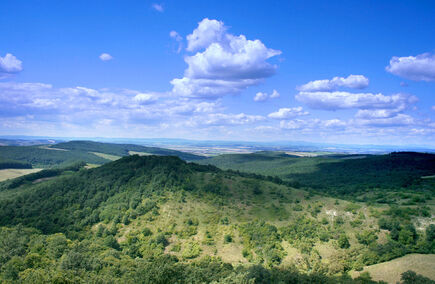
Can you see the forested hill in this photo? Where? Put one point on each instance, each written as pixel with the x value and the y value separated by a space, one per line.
pixel 159 219
pixel 70 203
pixel 123 149
pixel 65 154
pixel 338 174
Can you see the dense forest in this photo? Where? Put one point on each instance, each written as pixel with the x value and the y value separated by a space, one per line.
pixel 158 219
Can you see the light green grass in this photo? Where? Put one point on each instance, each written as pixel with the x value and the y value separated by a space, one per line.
pixel 107 156
pixel 425 177
pixel 14 173
pixel 139 153
pixel 391 271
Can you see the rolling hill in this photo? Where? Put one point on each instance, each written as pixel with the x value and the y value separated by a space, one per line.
pixel 363 177
pixel 158 219
pixel 67 153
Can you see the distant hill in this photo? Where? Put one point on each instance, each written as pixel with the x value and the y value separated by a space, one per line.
pixel 124 149
pixel 64 154
pixel 338 174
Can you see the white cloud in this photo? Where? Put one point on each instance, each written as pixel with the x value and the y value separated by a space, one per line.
pixel 224 64
pixel 229 119
pixel 178 38
pixel 418 68
pixel 286 113
pixel 158 7
pixel 433 107
pixel 375 113
pixel 9 65
pixel 346 100
pixel 144 98
pixel 207 32
pixel 352 81
pixel 260 97
pixel 388 121
pixel 274 94
pixel 312 124
pixel 105 57
pixel 175 35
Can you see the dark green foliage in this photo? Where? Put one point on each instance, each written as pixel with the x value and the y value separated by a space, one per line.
pixel 228 239
pixel 343 241
pixel 366 237
pixel 12 164
pixel 410 277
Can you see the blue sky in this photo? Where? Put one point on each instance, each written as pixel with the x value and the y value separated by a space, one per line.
pixel 358 72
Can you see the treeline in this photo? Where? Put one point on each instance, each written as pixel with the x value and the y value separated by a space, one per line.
pixel 12 164
pixel 49 173
pixel 40 157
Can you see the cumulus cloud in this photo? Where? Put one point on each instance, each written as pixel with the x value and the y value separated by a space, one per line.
pixel 352 81
pixel 223 63
pixel 417 68
pixel 274 94
pixel 158 7
pixel 105 57
pixel 346 100
pixel 9 65
pixel 286 113
pixel 261 96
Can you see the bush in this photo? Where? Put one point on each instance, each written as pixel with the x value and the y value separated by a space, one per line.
pixel 191 250
pixel 343 241
pixel 228 239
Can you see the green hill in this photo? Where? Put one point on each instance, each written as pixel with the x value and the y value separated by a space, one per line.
pixel 366 177
pixel 123 149
pixel 158 219
pixel 65 154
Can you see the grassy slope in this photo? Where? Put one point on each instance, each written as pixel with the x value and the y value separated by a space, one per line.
pixel 6 174
pixel 390 271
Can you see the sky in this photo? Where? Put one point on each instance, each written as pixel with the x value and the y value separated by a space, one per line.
pixel 349 72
